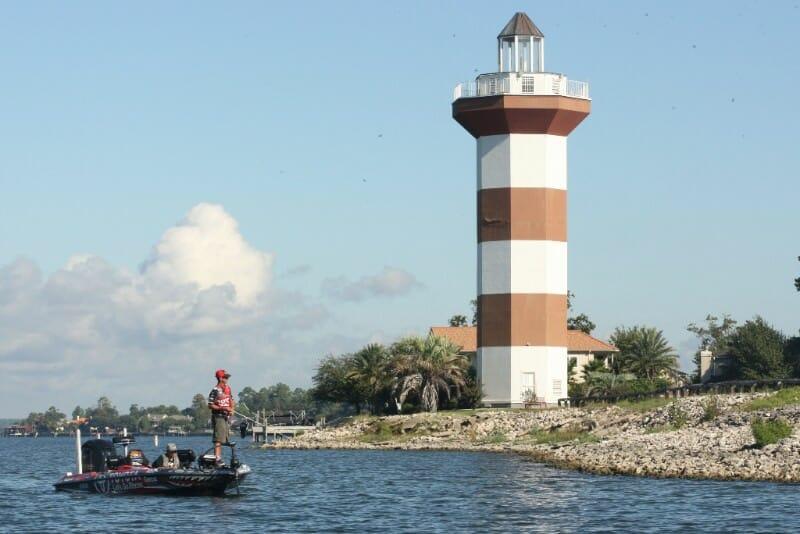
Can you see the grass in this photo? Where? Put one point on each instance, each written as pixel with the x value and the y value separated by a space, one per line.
pixel 636 406
pixel 495 438
pixel 710 409
pixel 658 429
pixel 381 432
pixel 677 416
pixel 544 437
pixel 783 397
pixel 768 431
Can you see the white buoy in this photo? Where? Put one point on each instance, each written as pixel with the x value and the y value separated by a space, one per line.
pixel 155 440
pixel 78 459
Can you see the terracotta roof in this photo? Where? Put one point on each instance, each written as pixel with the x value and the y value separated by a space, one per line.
pixel 520 24
pixel 578 341
pixel 466 337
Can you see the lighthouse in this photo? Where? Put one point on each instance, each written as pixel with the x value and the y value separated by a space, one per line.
pixel 520 117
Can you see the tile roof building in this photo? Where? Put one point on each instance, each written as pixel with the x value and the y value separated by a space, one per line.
pixel 580 345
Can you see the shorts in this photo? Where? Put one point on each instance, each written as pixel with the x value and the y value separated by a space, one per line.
pixel 221 429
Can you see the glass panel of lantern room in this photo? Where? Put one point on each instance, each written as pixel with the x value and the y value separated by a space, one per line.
pixel 536 55
pixel 524 54
pixel 506 55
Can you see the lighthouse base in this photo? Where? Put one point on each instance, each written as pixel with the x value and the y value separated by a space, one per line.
pixel 516 376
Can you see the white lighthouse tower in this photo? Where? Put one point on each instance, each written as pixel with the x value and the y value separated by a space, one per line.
pixel 521 117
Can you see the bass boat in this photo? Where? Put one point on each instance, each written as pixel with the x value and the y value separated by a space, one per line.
pixel 102 470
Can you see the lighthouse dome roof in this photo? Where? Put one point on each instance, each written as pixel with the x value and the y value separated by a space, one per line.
pixel 520 24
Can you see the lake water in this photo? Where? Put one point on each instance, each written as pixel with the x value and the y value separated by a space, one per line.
pixel 388 491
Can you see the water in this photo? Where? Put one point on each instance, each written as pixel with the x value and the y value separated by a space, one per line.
pixel 388 491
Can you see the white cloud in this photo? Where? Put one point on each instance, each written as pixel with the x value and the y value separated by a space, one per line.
pixel 390 282
pixel 202 300
pixel 207 250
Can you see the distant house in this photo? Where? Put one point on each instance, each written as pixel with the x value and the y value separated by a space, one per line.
pixel 580 345
pixel 584 348
pixel 714 367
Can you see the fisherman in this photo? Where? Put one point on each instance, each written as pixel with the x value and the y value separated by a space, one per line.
pixel 170 459
pixel 220 400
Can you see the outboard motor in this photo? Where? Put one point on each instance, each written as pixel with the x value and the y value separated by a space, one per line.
pixel 207 461
pixel 186 457
pixel 98 455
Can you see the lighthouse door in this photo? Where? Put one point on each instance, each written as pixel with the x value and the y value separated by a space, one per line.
pixel 528 387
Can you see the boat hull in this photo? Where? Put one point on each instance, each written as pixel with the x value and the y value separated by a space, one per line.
pixel 155 481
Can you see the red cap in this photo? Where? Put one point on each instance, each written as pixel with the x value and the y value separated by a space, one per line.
pixel 222 373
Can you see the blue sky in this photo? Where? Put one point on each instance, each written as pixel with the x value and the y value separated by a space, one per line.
pixel 324 130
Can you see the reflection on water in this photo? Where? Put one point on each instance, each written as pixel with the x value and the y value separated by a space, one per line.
pixel 390 491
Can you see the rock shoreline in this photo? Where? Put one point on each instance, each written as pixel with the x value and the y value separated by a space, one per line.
pixel 680 439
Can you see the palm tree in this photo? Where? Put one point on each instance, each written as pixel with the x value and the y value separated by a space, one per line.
pixel 605 383
pixel 595 366
pixel 368 368
pixel 644 351
pixel 428 367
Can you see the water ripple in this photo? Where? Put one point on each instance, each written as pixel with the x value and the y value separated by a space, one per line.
pixel 391 491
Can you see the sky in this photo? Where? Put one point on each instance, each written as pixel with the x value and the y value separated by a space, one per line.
pixel 192 185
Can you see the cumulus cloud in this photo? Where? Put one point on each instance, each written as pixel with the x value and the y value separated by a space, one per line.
pixel 390 282
pixel 201 300
pixel 207 250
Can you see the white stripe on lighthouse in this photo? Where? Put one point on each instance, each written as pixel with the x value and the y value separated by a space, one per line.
pixel 518 266
pixel 522 160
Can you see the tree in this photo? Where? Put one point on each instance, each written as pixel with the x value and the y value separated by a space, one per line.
pixel 332 382
pixel 474 304
pixel 427 367
pixel 582 323
pixel 791 353
pixel 604 383
pixel 797 280
pixel 78 412
pixel 643 351
pixel 368 369
pixel 715 336
pixel 757 351
pixel 103 414
pixel 458 320
pixel 200 412
pixel 595 366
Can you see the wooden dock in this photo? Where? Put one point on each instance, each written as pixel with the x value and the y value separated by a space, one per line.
pixel 261 432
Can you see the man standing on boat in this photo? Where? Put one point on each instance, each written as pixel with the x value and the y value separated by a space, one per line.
pixel 220 400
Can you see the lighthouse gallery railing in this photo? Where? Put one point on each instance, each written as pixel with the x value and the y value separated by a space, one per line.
pixel 513 83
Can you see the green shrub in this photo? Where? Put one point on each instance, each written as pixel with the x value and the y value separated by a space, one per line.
pixel 644 405
pixel 495 437
pixel 710 409
pixel 784 397
pixel 768 431
pixel 677 416
pixel 561 435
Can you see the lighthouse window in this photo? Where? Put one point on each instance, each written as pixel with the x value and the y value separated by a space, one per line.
pixel 527 84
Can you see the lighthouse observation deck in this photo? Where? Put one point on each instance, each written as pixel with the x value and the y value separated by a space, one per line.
pixel 519 83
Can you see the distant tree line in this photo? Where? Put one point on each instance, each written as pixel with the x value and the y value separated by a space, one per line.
pixel 412 374
pixel 755 350
pixel 278 398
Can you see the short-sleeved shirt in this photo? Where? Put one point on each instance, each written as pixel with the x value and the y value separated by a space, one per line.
pixel 221 395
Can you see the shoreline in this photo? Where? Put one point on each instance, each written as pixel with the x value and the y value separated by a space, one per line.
pixel 657 439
